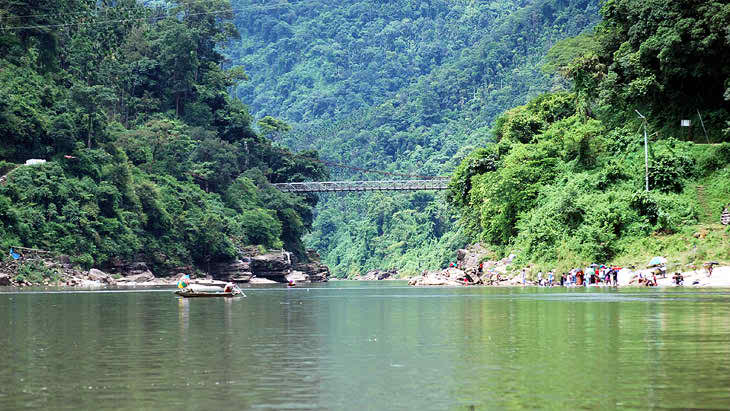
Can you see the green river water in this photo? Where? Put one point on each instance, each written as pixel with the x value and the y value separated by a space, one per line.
pixel 366 345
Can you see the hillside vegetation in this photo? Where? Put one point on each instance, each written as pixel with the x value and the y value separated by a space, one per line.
pixel 149 158
pixel 402 86
pixel 564 181
pixel 529 106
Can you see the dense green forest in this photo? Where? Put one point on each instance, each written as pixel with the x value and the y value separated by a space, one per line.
pixel 403 86
pixel 164 124
pixel 149 158
pixel 564 181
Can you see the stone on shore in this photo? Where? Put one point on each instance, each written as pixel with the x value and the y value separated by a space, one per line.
pixel 100 276
pixel 378 275
pixel 256 280
pixel 316 271
pixel 297 277
pixel 143 277
pixel 449 276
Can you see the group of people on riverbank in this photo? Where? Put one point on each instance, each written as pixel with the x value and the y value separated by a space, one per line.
pixel 602 275
pixel 578 277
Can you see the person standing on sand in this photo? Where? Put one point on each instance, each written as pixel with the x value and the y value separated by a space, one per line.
pixel 539 278
pixel 523 277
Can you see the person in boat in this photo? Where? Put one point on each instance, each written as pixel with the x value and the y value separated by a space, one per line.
pixel 291 283
pixel 184 281
pixel 229 288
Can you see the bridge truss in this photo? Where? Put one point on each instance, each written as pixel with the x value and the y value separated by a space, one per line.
pixel 390 185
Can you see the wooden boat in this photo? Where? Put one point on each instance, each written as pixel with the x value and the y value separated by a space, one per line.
pixel 194 294
pixel 196 291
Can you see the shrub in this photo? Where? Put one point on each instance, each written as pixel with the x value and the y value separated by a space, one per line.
pixel 35 272
pixel 86 261
pixel 6 166
pixel 645 205
pixel 717 157
pixel 668 170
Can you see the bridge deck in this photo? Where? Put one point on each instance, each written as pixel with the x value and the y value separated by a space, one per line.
pixel 392 185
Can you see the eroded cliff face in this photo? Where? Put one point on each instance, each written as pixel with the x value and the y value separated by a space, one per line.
pixel 277 266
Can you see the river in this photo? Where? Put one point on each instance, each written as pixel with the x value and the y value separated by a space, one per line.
pixel 366 345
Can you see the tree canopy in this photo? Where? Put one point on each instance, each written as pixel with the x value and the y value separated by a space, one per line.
pixel 149 156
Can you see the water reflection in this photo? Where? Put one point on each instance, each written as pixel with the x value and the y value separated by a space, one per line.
pixel 361 345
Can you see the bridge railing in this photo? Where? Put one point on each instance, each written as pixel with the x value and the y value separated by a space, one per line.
pixel 389 185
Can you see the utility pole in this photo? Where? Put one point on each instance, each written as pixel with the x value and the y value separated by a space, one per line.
pixel 646 151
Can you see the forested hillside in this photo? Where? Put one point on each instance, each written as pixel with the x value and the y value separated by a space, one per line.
pixel 148 156
pixel 564 182
pixel 164 123
pixel 398 86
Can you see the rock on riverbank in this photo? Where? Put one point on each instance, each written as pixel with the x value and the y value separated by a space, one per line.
pixel 272 267
pixel 378 275
pixel 46 269
pixel 466 271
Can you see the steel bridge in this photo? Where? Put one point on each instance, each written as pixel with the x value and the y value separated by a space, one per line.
pixel 389 185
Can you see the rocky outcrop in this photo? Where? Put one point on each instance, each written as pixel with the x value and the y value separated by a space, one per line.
pixel 100 276
pixel 298 277
pixel 316 271
pixel 472 267
pixel 449 276
pixel 143 277
pixel 468 259
pixel 238 271
pixel 137 271
pixel 274 266
pixel 378 275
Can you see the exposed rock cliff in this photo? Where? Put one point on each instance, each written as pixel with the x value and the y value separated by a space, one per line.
pixel 277 266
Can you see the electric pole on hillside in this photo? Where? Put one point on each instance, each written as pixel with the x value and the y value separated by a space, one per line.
pixel 646 151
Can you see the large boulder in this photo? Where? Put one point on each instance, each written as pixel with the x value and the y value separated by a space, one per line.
pixel 377 275
pixel 236 270
pixel 143 277
pixel 100 276
pixel 297 277
pixel 271 262
pixel 470 257
pixel 316 271
pixel 431 278
pixel 4 280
